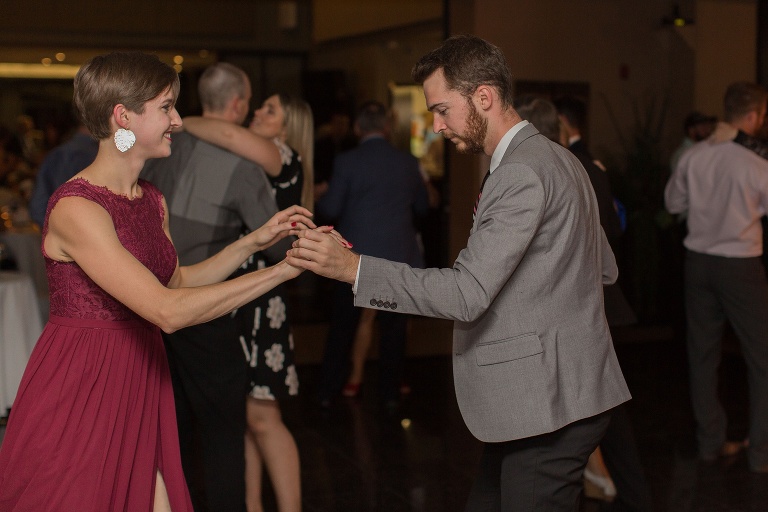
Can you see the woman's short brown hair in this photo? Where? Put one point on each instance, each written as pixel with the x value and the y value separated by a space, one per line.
pixel 128 78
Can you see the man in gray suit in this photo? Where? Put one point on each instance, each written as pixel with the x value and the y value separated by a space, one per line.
pixel 534 367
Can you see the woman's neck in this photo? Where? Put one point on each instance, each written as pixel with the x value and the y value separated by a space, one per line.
pixel 118 172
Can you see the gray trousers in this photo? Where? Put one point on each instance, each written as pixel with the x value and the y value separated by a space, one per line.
pixel 733 289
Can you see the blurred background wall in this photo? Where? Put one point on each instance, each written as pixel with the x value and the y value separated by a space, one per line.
pixel 640 66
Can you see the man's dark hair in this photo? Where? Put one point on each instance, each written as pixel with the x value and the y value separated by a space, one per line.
pixel 467 63
pixel 572 109
pixel 372 116
pixel 741 98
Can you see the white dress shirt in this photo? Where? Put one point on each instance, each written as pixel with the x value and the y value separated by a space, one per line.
pixel 724 188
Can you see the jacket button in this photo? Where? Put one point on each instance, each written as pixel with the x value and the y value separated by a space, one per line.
pixel 394 305
pixel 379 303
pixel 373 302
pixel 386 304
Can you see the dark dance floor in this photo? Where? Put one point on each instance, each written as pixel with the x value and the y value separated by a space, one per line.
pixel 357 456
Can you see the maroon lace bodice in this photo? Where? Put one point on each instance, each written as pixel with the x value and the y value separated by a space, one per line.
pixel 139 226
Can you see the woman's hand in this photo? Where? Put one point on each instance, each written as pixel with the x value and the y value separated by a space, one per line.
pixel 284 223
pixel 335 235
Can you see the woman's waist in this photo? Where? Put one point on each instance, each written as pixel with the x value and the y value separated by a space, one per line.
pixel 101 323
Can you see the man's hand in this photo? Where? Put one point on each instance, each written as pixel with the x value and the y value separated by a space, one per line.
pixel 325 255
pixel 287 222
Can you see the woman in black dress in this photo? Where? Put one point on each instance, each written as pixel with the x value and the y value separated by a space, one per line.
pixel 280 139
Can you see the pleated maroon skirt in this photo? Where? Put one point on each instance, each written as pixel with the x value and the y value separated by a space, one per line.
pixel 93 423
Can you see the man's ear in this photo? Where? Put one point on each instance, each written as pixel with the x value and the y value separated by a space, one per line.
pixel 234 105
pixel 484 96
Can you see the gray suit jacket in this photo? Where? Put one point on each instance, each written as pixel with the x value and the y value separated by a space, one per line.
pixel 532 350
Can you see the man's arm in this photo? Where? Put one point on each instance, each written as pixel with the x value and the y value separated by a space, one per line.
pixel 676 191
pixel 464 292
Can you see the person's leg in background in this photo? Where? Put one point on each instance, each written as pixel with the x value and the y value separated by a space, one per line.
pixel 360 348
pixel 189 447
pixel 705 324
pixel 253 474
pixel 214 377
pixel 745 299
pixel 394 335
pixel 277 449
pixel 597 478
pixel 622 459
pixel 341 333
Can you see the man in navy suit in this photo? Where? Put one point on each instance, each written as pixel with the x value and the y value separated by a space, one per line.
pixel 375 194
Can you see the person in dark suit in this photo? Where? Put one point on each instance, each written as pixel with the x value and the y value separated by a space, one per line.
pixel 535 372
pixel 618 449
pixel 60 165
pixel 573 115
pixel 375 195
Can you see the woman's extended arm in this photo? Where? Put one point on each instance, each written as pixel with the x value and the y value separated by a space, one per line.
pixel 82 231
pixel 238 140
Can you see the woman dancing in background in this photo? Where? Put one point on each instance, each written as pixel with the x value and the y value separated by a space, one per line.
pixel 280 138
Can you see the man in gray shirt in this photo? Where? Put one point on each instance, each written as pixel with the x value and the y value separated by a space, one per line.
pixel 212 195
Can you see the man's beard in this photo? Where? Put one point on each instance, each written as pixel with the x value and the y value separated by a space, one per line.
pixel 477 129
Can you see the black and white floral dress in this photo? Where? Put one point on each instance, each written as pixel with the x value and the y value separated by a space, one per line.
pixel 265 335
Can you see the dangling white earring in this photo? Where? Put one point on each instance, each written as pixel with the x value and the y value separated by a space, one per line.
pixel 124 139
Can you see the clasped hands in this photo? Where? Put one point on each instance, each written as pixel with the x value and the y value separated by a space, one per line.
pixel 320 249
pixel 325 252
pixel 282 224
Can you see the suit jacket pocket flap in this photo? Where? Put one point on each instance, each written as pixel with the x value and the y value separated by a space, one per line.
pixel 509 349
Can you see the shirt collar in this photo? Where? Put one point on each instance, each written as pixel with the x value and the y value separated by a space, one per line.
pixel 501 148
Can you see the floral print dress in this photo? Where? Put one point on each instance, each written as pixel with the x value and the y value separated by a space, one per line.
pixel 265 335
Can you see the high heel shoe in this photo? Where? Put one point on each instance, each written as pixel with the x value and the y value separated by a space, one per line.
pixel 598 487
pixel 350 390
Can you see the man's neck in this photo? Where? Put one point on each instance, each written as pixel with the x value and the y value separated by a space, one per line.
pixel 495 133
pixel 743 124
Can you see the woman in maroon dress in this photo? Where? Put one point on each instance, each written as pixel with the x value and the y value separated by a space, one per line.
pixel 93 425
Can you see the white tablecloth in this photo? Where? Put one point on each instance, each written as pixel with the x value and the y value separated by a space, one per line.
pixel 20 326
pixel 24 247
